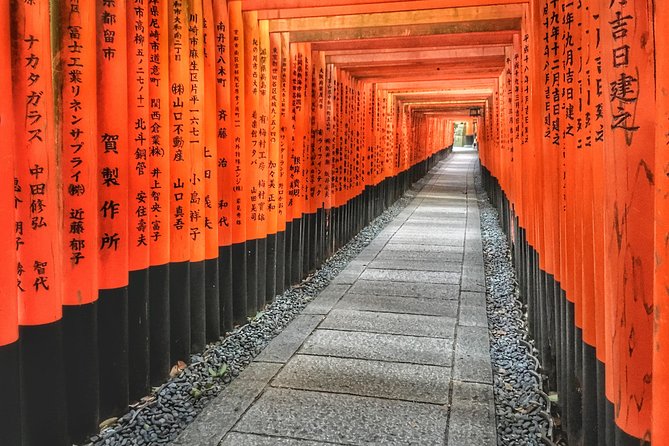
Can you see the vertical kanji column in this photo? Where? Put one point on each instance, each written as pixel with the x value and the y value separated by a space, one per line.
pixel 224 161
pixel 180 156
pixel 159 192
pixel 78 105
pixel 211 197
pixel 195 139
pixel 38 234
pixel 239 162
pixel 139 140
pixel 284 216
pixel 10 415
pixel 251 73
pixel 113 205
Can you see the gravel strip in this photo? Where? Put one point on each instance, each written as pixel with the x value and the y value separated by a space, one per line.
pixel 521 406
pixel 161 416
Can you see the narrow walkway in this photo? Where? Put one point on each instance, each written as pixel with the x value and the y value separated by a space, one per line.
pixel 394 351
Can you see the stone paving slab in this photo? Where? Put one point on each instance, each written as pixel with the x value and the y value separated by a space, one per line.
pixel 239 439
pixel 380 347
pixel 454 258
pixel 406 289
pixel 411 276
pixel 390 323
pixel 327 299
pixel 472 419
pixel 347 419
pixel 416 265
pixel 472 355
pixel 395 304
pixel 390 380
pixel 284 346
pixel 221 414
pixel 410 247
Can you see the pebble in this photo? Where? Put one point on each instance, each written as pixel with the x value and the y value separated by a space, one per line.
pixel 177 402
pixel 523 413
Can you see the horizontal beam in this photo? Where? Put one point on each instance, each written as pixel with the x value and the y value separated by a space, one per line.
pixel 372 57
pixel 333 9
pixel 424 41
pixel 472 26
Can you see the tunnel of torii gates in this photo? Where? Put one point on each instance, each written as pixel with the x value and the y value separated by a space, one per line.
pixel 169 166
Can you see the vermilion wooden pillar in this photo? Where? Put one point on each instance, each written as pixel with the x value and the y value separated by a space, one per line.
pixel 79 166
pixel 10 413
pixel 180 185
pixel 37 231
pixel 159 202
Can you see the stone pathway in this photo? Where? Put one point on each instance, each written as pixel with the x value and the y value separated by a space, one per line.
pixel 394 351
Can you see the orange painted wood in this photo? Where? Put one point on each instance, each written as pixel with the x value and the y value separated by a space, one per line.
pixel 210 121
pixel 285 134
pixel 9 316
pixel 195 133
pixel 224 140
pixel 264 128
pixel 112 145
pixel 660 429
pixel 79 154
pixel 139 174
pixel 159 131
pixel 239 160
pixel 180 151
pixel 253 149
pixel 38 233
pixel 274 135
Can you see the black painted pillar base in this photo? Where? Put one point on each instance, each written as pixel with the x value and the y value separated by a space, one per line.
pixel 251 278
pixel 288 256
pixel 280 262
pixel 225 281
pixel 179 312
pixel 113 343
pixel 261 296
pixel 239 289
pixel 80 347
pixel 198 302
pixel 138 334
pixel 43 400
pixel 296 251
pixel 159 323
pixel 10 394
pixel 270 268
pixel 212 300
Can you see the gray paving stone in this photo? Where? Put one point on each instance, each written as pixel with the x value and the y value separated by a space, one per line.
pixel 473 316
pixel 473 278
pixel 381 347
pixel 390 323
pixel 221 414
pixel 430 241
pixel 399 304
pixel 472 355
pixel 421 256
pixel 472 419
pixel 392 380
pixel 345 419
pixel 240 439
pixel 282 347
pixel 407 289
pixel 327 299
pixel 411 276
pixel 473 299
pixel 416 265
pixel 410 247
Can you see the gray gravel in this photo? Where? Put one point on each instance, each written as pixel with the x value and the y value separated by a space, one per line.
pixel 521 406
pixel 161 416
